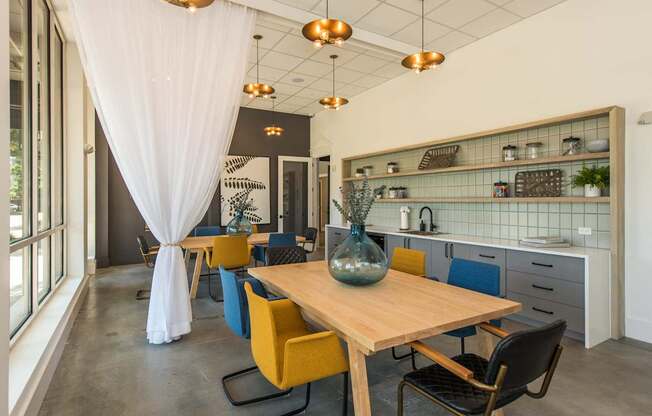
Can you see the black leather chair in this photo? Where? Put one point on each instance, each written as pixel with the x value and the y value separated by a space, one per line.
pixel 470 385
pixel 311 238
pixel 284 255
pixel 149 258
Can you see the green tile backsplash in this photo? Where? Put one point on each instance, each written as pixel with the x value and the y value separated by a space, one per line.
pixel 498 220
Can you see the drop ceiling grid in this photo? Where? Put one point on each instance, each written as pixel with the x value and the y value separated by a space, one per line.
pixel 456 23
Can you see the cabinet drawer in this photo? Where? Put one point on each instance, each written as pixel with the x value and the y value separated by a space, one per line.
pixel 547 311
pixel 566 268
pixel 482 254
pixel 547 288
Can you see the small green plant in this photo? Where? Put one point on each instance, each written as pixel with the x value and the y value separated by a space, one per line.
pixel 594 176
pixel 356 203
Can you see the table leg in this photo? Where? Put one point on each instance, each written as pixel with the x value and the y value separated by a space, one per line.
pixel 186 257
pixel 195 275
pixel 359 382
pixel 487 343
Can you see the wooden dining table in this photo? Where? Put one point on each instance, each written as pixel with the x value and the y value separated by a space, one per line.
pixel 401 308
pixel 197 245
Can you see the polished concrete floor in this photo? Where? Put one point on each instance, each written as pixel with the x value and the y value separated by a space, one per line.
pixel 108 368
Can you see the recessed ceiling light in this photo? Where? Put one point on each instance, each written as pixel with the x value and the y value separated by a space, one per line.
pixel 298 79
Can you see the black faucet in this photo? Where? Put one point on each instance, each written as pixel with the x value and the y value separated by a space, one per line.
pixel 422 225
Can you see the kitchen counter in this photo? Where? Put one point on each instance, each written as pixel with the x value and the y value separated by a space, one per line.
pixel 579 252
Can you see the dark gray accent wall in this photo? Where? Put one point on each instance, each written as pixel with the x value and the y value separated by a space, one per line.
pixel 118 219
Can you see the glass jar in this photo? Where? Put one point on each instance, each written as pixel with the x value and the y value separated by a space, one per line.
pixel 392 167
pixel 533 150
pixel 510 153
pixel 571 146
pixel 501 190
pixel 359 173
pixel 367 170
pixel 358 261
pixel 392 193
pixel 239 225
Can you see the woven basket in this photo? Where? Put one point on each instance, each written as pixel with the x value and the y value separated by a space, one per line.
pixel 439 157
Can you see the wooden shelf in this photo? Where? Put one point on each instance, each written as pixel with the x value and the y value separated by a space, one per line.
pixel 494 165
pixel 473 199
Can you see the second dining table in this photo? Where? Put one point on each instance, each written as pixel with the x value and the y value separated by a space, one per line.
pixel 400 309
pixel 197 245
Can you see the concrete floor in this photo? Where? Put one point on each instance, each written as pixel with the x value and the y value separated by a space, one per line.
pixel 108 368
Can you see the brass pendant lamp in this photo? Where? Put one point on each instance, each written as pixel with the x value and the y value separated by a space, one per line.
pixel 333 102
pixel 327 31
pixel 273 130
pixel 191 5
pixel 423 60
pixel 258 89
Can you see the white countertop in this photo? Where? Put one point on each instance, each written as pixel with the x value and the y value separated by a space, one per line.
pixel 580 252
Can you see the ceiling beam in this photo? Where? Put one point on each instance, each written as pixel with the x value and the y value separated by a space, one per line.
pixel 302 17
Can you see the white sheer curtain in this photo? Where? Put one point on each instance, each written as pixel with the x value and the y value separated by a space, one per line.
pixel 166 85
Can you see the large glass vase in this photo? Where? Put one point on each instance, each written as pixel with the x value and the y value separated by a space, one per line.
pixel 358 261
pixel 239 225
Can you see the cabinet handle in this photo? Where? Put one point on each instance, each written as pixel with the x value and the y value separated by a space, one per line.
pixel 542 311
pixel 486 256
pixel 549 289
pixel 446 250
pixel 336 233
pixel 452 250
pixel 534 263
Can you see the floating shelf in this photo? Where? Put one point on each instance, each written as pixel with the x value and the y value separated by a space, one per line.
pixel 495 165
pixel 473 199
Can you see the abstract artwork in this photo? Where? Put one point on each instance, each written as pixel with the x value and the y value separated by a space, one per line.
pixel 243 173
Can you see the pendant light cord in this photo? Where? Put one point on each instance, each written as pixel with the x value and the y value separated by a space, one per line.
pixel 326 9
pixel 333 77
pixel 422 31
pixel 258 63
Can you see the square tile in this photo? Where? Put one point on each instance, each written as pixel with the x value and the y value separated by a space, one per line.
pixel 490 23
pixel 450 42
pixel 411 34
pixel 365 63
pixel 414 6
pixel 460 12
pixel 295 46
pixel 369 81
pixel 270 37
pixel 526 8
pixel 386 19
pixel 300 80
pixel 278 60
pixel 313 68
pixel 267 72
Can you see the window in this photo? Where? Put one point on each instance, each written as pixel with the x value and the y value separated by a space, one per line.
pixel 36 159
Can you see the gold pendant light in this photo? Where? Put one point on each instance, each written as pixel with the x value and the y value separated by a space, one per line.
pixel 327 31
pixel 191 5
pixel 333 102
pixel 258 89
pixel 273 130
pixel 423 60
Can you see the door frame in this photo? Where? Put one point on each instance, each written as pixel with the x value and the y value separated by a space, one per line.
pixel 279 189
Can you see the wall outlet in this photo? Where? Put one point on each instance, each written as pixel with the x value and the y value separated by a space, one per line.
pixel 584 230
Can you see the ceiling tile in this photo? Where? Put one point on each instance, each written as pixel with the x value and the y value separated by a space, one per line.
pixel 300 4
pixel 343 54
pixel 351 90
pixel 270 37
pixel 298 101
pixel 286 89
pixel 266 72
pixel 499 2
pixel 365 63
pixel 250 79
pixel 526 8
pixel 490 23
pixel 351 10
pixel 412 33
pixel 347 75
pixel 370 81
pixel 260 103
pixel 311 93
pixel 391 70
pixel 300 80
pixel 460 12
pixel 386 20
pixel 245 100
pixel 450 42
pixel 280 60
pixel 312 109
pixel 326 85
pixel 252 54
pixel 295 46
pixel 414 6
pixel 316 69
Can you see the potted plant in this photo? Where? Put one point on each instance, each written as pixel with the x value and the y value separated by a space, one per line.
pixel 593 179
pixel 358 260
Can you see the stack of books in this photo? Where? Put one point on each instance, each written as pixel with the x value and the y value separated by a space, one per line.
pixel 544 242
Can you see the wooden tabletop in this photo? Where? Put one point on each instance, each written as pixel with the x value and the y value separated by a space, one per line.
pixel 194 243
pixel 399 309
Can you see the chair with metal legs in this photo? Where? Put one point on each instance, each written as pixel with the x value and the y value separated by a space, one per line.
pixel 287 354
pixel 471 385
pixel 230 252
pixel 236 315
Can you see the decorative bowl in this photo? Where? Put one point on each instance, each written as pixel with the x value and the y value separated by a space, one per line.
pixel 596 146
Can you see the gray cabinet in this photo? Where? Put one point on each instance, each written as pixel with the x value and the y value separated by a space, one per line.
pixel 425 246
pixel 440 260
pixel 391 242
pixel 335 237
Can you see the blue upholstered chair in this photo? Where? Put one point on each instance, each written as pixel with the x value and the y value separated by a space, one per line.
pixel 476 276
pixel 206 230
pixel 275 240
pixel 236 315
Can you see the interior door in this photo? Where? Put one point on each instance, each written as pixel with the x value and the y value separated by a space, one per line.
pixel 294 194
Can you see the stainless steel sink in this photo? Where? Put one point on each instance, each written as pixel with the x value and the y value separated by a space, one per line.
pixel 425 233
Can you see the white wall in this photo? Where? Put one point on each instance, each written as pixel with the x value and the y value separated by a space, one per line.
pixel 579 55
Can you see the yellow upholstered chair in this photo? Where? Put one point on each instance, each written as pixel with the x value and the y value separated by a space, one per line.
pixel 409 261
pixel 289 355
pixel 228 251
pixel 413 262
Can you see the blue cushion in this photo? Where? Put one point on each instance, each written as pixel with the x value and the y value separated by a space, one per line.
pixel 259 253
pixel 206 231
pixel 282 240
pixel 476 276
pixel 236 309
